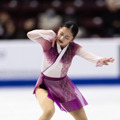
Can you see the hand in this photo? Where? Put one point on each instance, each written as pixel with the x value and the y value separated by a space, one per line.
pixel 106 60
pixel 53 43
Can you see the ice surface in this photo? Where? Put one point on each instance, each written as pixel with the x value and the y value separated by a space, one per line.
pixel 18 103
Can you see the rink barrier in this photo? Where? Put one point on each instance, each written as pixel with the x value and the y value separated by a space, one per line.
pixel 22 59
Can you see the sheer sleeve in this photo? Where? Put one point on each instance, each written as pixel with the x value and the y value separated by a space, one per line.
pixel 89 56
pixel 43 37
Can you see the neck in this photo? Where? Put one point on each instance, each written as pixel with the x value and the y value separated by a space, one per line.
pixel 62 47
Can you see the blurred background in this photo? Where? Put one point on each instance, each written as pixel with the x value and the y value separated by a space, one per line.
pixel 20 58
pixel 95 18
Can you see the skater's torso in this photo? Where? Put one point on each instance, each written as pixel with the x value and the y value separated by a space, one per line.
pixel 62 67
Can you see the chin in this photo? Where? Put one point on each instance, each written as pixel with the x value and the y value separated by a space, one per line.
pixel 60 43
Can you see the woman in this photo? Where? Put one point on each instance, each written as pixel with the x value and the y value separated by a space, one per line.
pixel 53 85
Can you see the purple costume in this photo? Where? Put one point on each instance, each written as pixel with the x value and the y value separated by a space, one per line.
pixel 55 66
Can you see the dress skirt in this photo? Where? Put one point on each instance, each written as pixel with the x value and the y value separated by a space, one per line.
pixel 63 92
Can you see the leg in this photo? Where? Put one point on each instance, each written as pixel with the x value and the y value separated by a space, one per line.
pixel 79 114
pixel 46 104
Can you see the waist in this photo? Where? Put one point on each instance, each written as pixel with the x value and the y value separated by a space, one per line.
pixel 53 78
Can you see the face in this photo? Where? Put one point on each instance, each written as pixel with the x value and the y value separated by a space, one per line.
pixel 64 36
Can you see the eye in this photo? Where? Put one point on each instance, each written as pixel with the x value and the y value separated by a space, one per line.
pixel 67 38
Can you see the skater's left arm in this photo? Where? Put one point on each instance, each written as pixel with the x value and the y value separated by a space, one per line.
pixel 93 58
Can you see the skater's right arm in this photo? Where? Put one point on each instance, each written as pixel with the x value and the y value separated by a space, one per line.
pixel 43 37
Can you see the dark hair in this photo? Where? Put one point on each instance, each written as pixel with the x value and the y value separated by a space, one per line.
pixel 73 27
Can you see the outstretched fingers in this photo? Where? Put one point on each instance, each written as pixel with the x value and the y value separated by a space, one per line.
pixel 111 60
pixel 106 60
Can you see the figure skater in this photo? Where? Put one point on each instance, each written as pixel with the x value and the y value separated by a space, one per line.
pixel 53 85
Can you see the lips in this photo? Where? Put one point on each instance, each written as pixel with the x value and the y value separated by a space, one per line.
pixel 60 41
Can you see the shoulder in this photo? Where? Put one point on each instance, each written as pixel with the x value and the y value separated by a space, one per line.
pixel 75 45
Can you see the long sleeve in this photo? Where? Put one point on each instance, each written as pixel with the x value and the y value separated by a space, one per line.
pixel 89 56
pixel 43 37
